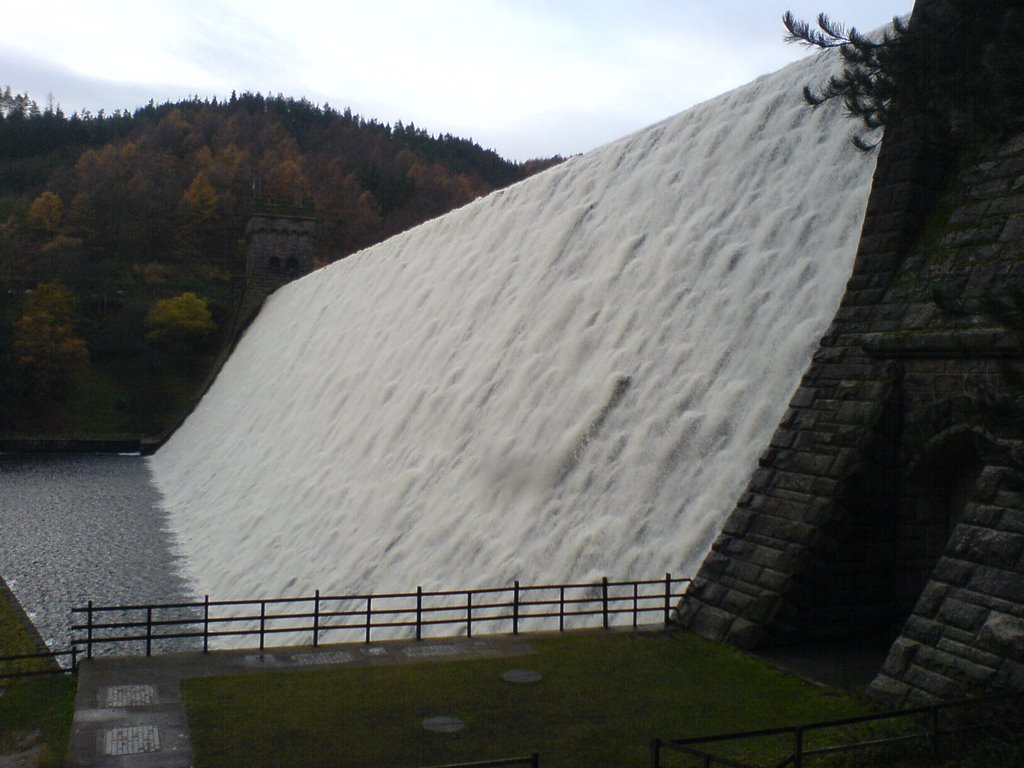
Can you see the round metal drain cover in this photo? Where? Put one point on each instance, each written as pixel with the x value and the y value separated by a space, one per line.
pixel 443 724
pixel 521 676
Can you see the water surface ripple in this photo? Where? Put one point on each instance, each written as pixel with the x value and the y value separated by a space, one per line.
pixel 75 528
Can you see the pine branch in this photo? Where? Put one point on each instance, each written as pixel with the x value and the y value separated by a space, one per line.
pixel 829 36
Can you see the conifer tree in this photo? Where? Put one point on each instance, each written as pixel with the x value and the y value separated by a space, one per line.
pixel 957 68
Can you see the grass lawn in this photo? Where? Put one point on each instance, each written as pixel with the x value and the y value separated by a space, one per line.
pixel 35 713
pixel 602 698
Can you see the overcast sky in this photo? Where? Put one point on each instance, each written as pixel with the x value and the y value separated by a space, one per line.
pixel 528 78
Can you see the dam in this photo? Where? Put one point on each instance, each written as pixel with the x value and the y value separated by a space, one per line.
pixel 569 378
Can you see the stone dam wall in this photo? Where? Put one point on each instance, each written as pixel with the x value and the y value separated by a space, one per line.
pixel 890 502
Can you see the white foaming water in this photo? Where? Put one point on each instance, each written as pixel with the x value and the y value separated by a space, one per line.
pixel 569 378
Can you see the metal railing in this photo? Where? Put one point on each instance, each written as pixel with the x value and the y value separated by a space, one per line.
pixel 925 720
pixel 22 665
pixel 495 609
pixel 532 760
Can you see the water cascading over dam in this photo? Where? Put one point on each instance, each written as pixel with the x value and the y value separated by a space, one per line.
pixel 569 378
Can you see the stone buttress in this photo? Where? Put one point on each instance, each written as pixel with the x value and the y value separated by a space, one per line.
pixel 889 502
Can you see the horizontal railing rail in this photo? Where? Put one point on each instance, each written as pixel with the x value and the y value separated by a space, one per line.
pixel 927 722
pixel 512 608
pixel 19 666
pixel 532 760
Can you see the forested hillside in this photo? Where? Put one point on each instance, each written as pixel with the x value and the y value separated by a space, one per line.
pixel 121 237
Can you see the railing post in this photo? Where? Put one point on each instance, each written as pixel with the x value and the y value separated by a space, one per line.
pixel 635 602
pixel 798 755
pixel 535 760
pixel 604 601
pixel 655 753
pixel 515 608
pixel 935 731
pixel 469 613
pixel 419 613
pixel 263 621
pixel 74 659
pixel 88 631
pixel 316 619
pixel 561 609
pixel 206 623
pixel 149 630
pixel 369 616
pixel 668 597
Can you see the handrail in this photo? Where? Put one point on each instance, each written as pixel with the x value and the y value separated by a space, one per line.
pixel 532 760
pixel 932 733
pixel 318 614
pixel 53 669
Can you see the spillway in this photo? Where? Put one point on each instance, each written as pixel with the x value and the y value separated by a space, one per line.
pixel 569 378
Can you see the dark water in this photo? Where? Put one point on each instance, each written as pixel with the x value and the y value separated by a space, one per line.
pixel 75 528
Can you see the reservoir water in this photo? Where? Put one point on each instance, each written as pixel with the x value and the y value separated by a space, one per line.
pixel 75 528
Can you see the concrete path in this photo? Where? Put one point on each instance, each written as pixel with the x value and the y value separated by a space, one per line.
pixel 129 712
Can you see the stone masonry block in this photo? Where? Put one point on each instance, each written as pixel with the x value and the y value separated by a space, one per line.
pixel 999 582
pixel 735 547
pixel 950 570
pixel 775 581
pixel 962 614
pixel 996 548
pixel 738 523
pixel 969 674
pixel 965 644
pixel 891 692
pixel 803 397
pixel 1003 635
pixel 764 607
pixel 856 412
pixel 931 600
pixel 710 622
pixel 901 655
pixel 744 571
pixel 923 631
pixel 715 564
pixel 743 633
pixel 804 462
pixel 767 557
pixel 782 530
pixel 930 685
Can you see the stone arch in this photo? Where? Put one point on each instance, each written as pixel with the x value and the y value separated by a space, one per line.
pixel 894 516
pixel 938 483
pixel 948 423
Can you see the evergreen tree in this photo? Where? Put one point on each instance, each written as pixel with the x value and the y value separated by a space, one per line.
pixel 957 68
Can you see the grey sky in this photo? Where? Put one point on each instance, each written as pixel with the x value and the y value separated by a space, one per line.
pixel 527 78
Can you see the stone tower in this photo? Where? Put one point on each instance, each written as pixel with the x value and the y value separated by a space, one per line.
pixel 890 500
pixel 279 248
